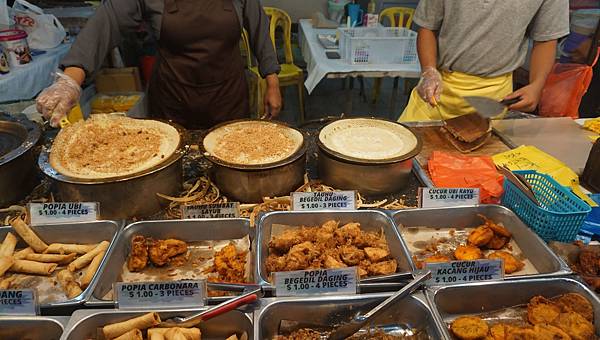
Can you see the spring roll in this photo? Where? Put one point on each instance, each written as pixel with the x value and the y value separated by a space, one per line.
pixel 84 260
pixel 91 270
pixel 69 284
pixel 155 335
pixel 32 267
pixel 6 262
pixel 65 248
pixel 6 283
pixel 189 333
pixel 28 235
pixel 233 337
pixel 8 246
pixel 134 334
pixel 51 258
pixel 141 322
pixel 175 334
pixel 22 254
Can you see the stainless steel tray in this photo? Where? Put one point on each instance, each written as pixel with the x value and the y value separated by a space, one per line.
pixel 84 233
pixel 369 220
pixel 410 313
pixel 186 230
pixel 450 302
pixel 84 324
pixel 31 327
pixel 546 263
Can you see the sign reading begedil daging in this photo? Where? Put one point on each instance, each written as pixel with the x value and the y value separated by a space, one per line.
pixel 148 295
pixel 214 210
pixel 328 200
pixel 448 197
pixel 63 212
pixel 449 273
pixel 316 282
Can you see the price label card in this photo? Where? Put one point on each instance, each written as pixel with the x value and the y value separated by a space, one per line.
pixel 330 200
pixel 61 212
pixel 448 197
pixel 448 273
pixel 18 302
pixel 216 210
pixel 148 295
pixel 316 282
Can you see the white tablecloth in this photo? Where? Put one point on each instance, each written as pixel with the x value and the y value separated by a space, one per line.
pixel 25 82
pixel 319 66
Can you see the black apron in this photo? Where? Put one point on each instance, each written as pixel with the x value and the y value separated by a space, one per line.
pixel 199 80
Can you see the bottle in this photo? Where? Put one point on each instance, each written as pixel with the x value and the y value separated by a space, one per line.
pixel 372 7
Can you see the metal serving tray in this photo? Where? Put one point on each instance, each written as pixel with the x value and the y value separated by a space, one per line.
pixel 410 313
pixel 451 302
pixel 31 327
pixel 370 220
pixel 83 233
pixel 84 324
pixel 546 263
pixel 186 230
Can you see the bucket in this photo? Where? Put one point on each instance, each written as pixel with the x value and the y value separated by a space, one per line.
pixel 14 44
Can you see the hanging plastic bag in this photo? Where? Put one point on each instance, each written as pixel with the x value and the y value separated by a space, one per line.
pixel 5 18
pixel 458 171
pixel 44 30
pixel 565 87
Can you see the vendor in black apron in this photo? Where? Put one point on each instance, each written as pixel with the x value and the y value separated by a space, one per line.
pixel 199 80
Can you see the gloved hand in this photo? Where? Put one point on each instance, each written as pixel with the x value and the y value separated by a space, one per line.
pixel 56 101
pixel 430 85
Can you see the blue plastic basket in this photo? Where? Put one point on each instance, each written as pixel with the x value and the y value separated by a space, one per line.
pixel 560 214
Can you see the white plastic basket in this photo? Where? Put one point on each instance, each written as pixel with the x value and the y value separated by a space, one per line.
pixel 378 45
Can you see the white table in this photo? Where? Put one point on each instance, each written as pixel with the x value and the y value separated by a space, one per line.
pixel 25 82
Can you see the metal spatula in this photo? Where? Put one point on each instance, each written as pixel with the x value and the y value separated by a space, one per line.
pixel 488 107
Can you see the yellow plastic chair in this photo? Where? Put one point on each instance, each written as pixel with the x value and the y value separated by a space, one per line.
pixel 290 74
pixel 397 17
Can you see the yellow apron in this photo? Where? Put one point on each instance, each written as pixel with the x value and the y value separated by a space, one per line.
pixel 456 85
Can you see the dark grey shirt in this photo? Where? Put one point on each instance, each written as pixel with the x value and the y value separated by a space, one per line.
pixel 103 31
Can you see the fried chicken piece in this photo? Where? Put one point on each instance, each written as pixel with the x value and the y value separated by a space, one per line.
pixel 468 253
pixel 549 332
pixel 383 268
pixel 497 242
pixel 351 255
pixel 575 325
pixel 511 264
pixel 348 233
pixel 542 311
pixel 376 254
pixel 573 302
pixel 284 242
pixel 275 263
pixel 331 262
pixel 163 250
pixel 138 255
pixel 469 328
pixel 480 236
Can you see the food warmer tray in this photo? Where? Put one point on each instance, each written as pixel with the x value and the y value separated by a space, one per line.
pixel 545 261
pixel 82 233
pixel 409 313
pixel 451 302
pixel 185 230
pixel 370 220
pixel 32 327
pixel 84 324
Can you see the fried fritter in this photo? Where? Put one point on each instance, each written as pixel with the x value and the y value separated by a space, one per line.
pixel 469 328
pixel 496 228
pixel 542 311
pixel 351 255
pixel 480 236
pixel 432 259
pixel 348 233
pixel 549 332
pixel 138 256
pixel 301 256
pixel 511 264
pixel 331 262
pixel 589 262
pixel 498 331
pixel 383 268
pixel 497 242
pixel 468 253
pixel 575 325
pixel 376 254
pixel 284 242
pixel 275 263
pixel 161 251
pixel 230 266
pixel 573 302
pixel 520 333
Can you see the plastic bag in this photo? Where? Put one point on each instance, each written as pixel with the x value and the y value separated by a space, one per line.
pixel 44 30
pixel 5 17
pixel 458 171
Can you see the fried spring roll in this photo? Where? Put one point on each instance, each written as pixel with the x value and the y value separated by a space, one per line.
pixel 134 334
pixel 66 248
pixel 32 267
pixel 8 246
pixel 6 262
pixel 84 260
pixel 91 270
pixel 6 283
pixel 28 235
pixel 233 337
pixel 155 335
pixel 189 333
pixel 51 258
pixel 175 334
pixel 22 254
pixel 141 322
pixel 69 284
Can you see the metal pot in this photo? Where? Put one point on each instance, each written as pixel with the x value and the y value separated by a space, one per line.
pixel 122 197
pixel 250 183
pixel 369 177
pixel 17 162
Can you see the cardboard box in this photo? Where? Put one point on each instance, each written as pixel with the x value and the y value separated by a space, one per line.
pixel 119 80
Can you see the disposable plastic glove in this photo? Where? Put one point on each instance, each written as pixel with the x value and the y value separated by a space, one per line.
pixel 430 85
pixel 56 101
